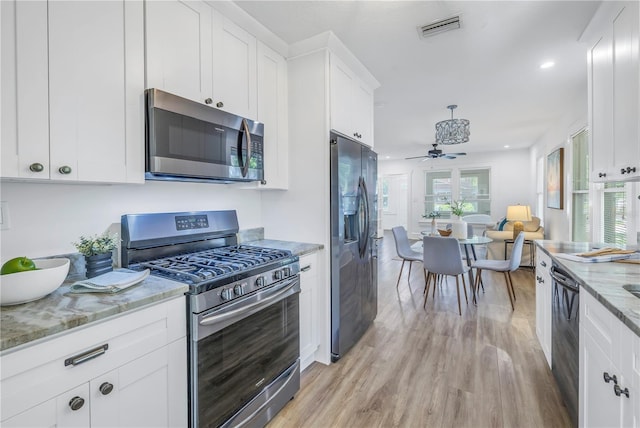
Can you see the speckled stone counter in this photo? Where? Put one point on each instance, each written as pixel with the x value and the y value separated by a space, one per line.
pixel 603 280
pixel 61 311
pixel 298 248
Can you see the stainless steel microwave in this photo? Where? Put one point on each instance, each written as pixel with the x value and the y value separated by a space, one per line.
pixel 190 141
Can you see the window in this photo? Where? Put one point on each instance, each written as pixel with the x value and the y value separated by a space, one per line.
pixel 437 191
pixel 581 225
pixel 470 185
pixel 474 190
pixel 614 222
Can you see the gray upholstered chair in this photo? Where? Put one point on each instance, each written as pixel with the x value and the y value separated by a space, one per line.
pixel 403 248
pixel 505 266
pixel 442 257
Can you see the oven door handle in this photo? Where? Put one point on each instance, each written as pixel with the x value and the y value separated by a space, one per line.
pixel 251 308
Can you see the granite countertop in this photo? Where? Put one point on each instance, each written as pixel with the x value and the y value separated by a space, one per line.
pixel 603 280
pixel 60 310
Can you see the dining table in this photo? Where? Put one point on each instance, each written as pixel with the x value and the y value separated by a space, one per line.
pixel 467 243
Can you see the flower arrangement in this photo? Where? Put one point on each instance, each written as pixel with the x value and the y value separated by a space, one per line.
pixel 457 207
pixel 98 244
pixel 432 215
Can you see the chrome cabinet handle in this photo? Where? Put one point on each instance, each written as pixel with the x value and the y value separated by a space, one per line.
pixel 306 268
pixel 543 264
pixel 76 403
pixel 539 279
pixel 219 104
pixel 619 391
pixel 64 169
pixel 208 101
pixel 608 378
pixel 86 356
pixel 106 388
pixel 36 167
pixel 602 174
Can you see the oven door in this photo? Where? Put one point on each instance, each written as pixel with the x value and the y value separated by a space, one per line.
pixel 240 350
pixel 186 139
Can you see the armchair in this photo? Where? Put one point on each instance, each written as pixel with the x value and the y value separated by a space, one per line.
pixel 504 230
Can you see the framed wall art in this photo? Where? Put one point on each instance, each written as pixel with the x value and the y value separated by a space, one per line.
pixel 555 179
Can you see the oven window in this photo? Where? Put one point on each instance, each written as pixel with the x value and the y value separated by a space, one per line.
pixel 181 137
pixel 236 363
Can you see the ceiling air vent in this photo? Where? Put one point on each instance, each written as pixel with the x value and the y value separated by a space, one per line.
pixel 439 27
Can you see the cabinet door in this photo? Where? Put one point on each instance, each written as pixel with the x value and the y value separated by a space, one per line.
pixel 87 91
pixel 272 111
pixel 626 95
pixel 135 394
pixel 178 48
pixel 308 311
pixel 25 90
pixel 601 108
pixel 600 407
pixel 543 303
pixel 234 68
pixel 363 112
pixel 342 83
pixel 57 412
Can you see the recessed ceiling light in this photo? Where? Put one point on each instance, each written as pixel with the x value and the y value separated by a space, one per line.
pixel 506 146
pixel 547 64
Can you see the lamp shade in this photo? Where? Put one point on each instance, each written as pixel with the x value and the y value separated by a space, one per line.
pixel 518 213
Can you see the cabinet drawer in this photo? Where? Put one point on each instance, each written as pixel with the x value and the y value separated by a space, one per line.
pixel 543 261
pixel 309 264
pixel 36 373
pixel 601 324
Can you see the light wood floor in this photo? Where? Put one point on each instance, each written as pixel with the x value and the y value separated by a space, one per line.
pixel 431 367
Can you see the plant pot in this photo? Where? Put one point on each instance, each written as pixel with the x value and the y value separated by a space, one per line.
pixel 98 264
pixel 459 229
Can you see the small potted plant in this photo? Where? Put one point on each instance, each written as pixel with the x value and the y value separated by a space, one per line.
pixel 458 226
pixel 432 215
pixel 97 251
pixel 457 207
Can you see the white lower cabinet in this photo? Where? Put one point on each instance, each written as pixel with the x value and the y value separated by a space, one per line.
pixel 543 302
pixel 308 309
pixel 137 376
pixel 609 368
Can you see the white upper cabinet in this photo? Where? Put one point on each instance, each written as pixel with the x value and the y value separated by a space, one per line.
pixel 234 68
pixel 178 48
pixel 614 92
pixel 273 113
pixel 78 79
pixel 351 103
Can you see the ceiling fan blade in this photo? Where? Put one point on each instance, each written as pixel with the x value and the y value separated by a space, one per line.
pixel 448 157
pixel 457 154
pixel 417 157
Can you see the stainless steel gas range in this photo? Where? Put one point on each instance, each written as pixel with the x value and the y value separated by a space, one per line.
pixel 242 309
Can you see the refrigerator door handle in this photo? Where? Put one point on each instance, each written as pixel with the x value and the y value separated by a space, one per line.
pixel 364 199
pixel 367 216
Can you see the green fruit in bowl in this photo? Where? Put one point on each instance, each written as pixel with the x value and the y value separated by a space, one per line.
pixel 19 264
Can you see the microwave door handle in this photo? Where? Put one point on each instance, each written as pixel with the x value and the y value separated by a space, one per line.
pixel 245 164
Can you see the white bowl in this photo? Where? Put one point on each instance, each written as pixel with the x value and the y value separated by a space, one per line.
pixel 27 286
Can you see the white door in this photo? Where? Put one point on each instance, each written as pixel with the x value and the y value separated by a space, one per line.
pixel 394 193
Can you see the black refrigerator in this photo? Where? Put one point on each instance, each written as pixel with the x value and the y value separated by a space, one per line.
pixel 354 258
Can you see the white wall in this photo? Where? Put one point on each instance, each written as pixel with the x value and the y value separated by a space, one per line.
pixel 558 222
pixel 46 218
pixel 510 181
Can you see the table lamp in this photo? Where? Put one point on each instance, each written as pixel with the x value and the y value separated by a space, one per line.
pixel 518 214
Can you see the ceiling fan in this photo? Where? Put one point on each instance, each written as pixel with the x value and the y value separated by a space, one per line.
pixel 436 153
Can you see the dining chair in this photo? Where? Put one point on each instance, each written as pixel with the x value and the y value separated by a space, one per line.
pixel 504 266
pixel 441 256
pixel 403 248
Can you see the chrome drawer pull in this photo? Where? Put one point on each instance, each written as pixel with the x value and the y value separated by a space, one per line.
pixel 306 268
pixel 608 378
pixel 86 356
pixel 619 391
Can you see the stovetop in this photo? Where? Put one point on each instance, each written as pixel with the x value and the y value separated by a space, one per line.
pixel 215 267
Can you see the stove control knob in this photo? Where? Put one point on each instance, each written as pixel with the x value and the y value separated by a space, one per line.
pixel 238 290
pixel 226 294
pixel 287 271
pixel 277 274
pixel 260 281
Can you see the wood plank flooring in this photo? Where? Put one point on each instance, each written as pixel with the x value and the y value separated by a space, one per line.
pixel 431 367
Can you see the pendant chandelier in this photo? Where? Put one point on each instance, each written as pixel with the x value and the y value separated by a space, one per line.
pixel 452 131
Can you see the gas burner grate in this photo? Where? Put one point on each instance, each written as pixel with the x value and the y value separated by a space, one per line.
pixel 213 263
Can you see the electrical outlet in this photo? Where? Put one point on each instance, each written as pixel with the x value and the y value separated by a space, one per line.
pixel 4 215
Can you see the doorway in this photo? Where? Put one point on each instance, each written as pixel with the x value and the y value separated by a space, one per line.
pixel 394 203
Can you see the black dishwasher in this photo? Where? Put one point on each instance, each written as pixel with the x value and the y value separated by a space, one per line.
pixel 564 338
